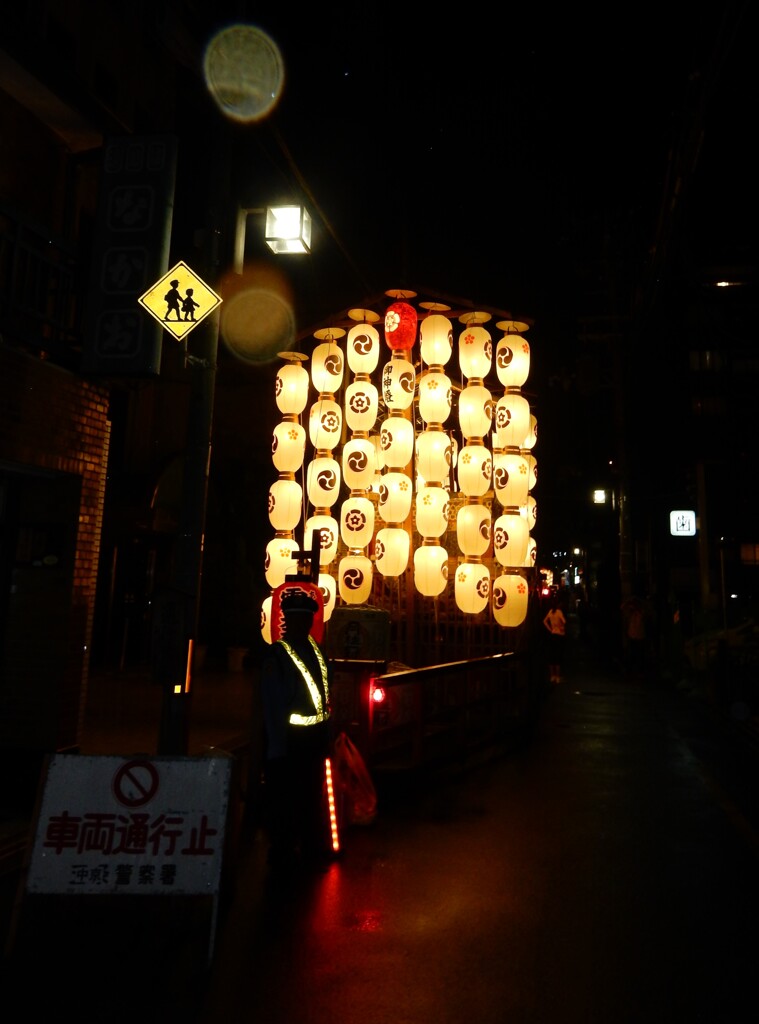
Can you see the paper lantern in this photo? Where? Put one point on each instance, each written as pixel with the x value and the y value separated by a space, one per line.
pixel 398 384
pixel 361 404
pixel 400 326
pixel 432 504
pixel 363 348
pixel 328 531
pixel 475 470
pixel 279 560
pixel 359 458
pixel 328 587
pixel 472 587
pixel 512 360
pixel 435 393
pixel 325 424
pixel 391 550
pixel 433 456
pixel 291 388
pixel 475 351
pixel 475 411
pixel 532 434
pixel 531 557
pixel 531 511
pixel 323 481
pixel 266 620
pixel 397 441
pixel 395 497
pixel 357 522
pixel 510 599
pixel 510 536
pixel 327 367
pixel 355 579
pixel 473 529
pixel 512 419
pixel 436 334
pixel 511 475
pixel 430 569
pixel 285 503
pixel 532 467
pixel 288 446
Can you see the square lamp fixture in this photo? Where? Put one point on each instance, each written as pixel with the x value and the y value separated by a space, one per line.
pixel 288 229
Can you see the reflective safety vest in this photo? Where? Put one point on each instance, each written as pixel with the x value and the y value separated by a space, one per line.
pixel 321 709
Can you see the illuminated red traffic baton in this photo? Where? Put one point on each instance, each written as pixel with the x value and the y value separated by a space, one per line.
pixel 331 805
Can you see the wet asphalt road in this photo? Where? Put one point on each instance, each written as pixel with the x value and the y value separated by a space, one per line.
pixel 606 871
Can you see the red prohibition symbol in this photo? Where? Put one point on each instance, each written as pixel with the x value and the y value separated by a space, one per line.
pixel 135 783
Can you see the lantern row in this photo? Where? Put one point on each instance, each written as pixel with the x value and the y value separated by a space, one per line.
pixel 376 462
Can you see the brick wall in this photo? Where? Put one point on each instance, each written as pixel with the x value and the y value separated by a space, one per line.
pixel 54 439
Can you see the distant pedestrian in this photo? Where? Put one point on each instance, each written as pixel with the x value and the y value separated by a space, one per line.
pixel 556 623
pixel 634 615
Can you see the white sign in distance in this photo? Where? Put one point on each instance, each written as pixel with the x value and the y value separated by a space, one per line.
pixel 682 523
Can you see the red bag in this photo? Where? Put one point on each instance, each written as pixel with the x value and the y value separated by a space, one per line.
pixel 354 781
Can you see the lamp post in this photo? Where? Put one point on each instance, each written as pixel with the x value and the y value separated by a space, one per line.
pixel 182 606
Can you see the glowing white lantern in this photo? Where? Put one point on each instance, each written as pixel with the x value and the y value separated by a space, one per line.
pixel 531 557
pixel 328 531
pixel 510 597
pixel 325 424
pixel 359 458
pixel 472 587
pixel 288 446
pixel 473 529
pixel 266 619
pixel 363 348
pixel 532 464
pixel 475 470
pixel 285 503
pixel 512 360
pixel 328 588
pixel 395 497
pixel 512 419
pixel 357 522
pixel 436 339
pixel 361 404
pixel 432 504
pixel 391 550
pixel 327 367
pixel 435 397
pixel 511 475
pixel 355 578
pixel 323 481
pixel 510 536
pixel 398 382
pixel 397 441
pixel 531 511
pixel 291 388
pixel 475 351
pixel 430 569
pixel 279 560
pixel 532 434
pixel 433 456
pixel 475 411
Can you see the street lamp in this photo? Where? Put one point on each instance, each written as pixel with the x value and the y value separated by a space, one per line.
pixel 182 617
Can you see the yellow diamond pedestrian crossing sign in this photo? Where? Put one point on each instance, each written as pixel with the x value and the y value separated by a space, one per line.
pixel 180 300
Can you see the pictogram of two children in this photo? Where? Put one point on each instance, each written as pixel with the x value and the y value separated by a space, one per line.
pixel 174 301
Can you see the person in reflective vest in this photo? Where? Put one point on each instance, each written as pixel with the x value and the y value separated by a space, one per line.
pixel 295 700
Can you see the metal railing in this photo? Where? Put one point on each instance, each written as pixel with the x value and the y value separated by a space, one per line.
pixel 441 711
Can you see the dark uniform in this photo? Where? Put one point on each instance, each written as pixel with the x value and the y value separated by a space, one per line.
pixel 295 696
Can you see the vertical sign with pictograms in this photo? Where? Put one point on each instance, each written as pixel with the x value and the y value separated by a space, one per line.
pixel 130 249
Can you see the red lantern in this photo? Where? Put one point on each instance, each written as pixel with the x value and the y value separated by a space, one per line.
pixel 302 586
pixel 400 326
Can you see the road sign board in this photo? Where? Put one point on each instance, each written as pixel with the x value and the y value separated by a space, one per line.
pixel 180 300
